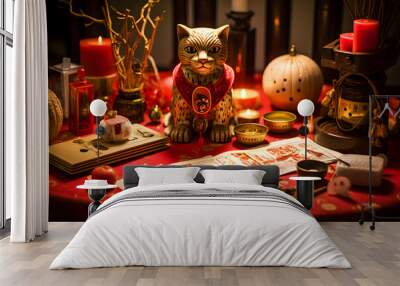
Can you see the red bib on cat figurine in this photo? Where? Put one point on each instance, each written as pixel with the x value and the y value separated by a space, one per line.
pixel 203 98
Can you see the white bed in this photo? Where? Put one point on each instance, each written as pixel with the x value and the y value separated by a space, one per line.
pixel 268 228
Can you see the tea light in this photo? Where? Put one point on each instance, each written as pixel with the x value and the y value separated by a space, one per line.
pixel 245 98
pixel 248 116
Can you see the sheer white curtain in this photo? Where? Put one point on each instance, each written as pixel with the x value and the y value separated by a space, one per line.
pixel 27 124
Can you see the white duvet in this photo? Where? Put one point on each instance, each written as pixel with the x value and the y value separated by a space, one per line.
pixel 200 231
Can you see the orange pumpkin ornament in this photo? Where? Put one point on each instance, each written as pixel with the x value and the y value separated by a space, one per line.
pixel 290 78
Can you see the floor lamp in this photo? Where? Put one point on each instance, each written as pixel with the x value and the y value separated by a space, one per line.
pixel 305 184
pixel 305 109
pixel 97 189
pixel 98 108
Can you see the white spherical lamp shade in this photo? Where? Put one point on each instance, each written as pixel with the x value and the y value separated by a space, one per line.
pixel 305 107
pixel 98 107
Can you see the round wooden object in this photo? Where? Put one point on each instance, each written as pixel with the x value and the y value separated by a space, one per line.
pixel 290 78
pixel 55 115
pixel 328 135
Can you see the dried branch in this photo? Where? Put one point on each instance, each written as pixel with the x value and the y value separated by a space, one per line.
pixel 133 34
pixel 83 15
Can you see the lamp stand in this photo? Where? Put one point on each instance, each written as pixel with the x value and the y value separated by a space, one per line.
pixel 97 134
pixel 95 195
pixel 305 137
pixel 305 193
pixel 370 205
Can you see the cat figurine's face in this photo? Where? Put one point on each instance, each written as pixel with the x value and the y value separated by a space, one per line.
pixel 202 50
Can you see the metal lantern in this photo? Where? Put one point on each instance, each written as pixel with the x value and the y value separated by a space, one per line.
pixel 290 78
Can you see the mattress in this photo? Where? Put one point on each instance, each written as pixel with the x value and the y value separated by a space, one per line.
pixel 201 225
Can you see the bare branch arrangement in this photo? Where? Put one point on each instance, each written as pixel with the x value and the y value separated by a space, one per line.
pixel 135 34
pixel 385 11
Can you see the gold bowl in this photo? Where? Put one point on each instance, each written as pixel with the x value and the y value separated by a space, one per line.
pixel 279 121
pixel 251 133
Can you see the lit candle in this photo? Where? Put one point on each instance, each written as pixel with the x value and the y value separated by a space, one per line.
pixel 346 42
pixel 96 56
pixel 366 35
pixel 248 116
pixel 245 98
pixel 239 6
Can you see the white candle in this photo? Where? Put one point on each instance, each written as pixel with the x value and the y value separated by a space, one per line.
pixel 239 6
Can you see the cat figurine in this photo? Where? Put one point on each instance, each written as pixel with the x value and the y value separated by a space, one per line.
pixel 202 90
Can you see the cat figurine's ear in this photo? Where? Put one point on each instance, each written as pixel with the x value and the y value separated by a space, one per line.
pixel 182 31
pixel 223 32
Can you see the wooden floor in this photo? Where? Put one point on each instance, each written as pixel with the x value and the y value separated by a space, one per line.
pixel 375 257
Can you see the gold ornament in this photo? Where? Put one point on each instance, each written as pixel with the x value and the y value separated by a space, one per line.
pixel 155 114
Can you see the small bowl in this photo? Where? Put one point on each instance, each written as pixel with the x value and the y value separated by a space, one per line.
pixel 279 121
pixel 251 133
pixel 312 168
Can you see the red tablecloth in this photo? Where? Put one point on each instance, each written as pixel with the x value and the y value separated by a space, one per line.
pixel 70 204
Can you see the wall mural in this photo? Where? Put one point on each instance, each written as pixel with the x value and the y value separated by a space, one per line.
pixel 113 108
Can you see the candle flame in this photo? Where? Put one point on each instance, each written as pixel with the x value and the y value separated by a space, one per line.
pixel 277 23
pixel 100 39
pixel 242 92
pixel 250 112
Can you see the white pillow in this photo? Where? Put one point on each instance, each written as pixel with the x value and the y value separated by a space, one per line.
pixel 166 176
pixel 248 177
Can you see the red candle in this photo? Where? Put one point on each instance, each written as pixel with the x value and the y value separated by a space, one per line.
pixel 346 42
pixel 366 35
pixel 96 56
